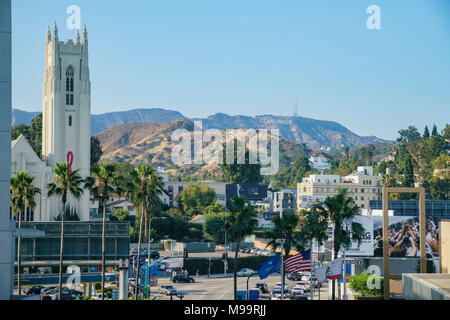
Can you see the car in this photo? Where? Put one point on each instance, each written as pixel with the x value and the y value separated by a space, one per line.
pixel 246 272
pixel 275 294
pixel 246 250
pixel 263 287
pixel 286 287
pixel 182 278
pixel 47 289
pixel 254 250
pixel 98 296
pixel 294 276
pixel 167 289
pixel 153 254
pixel 66 294
pixel 33 290
pixel 304 285
pixel 296 291
pixel 306 277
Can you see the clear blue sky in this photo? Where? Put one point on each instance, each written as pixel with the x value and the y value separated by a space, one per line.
pixel 253 57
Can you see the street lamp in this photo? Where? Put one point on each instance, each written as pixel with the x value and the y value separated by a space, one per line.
pixel 149 262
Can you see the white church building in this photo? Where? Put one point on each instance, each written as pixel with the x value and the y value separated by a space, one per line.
pixel 66 129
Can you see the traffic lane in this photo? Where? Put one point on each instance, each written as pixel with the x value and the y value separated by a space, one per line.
pixel 217 288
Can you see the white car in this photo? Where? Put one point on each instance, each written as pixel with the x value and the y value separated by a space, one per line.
pixel 303 285
pixel 278 285
pixel 246 272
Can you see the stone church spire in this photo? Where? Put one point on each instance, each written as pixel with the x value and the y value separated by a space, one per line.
pixel 55 33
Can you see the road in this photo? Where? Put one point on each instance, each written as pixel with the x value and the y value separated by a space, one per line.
pixel 222 288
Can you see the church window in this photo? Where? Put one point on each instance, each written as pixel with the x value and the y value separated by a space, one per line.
pixel 70 121
pixel 69 86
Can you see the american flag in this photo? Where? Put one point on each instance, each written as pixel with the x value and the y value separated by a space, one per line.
pixel 299 262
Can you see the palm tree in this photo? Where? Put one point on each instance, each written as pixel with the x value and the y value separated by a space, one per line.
pixel 101 184
pixel 341 209
pixel 241 222
pixel 145 188
pixel 22 196
pixel 64 183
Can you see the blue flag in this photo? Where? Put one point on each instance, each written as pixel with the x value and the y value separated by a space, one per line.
pixel 270 266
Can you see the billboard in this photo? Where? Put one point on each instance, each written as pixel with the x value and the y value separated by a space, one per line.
pixel 251 192
pixel 404 236
pixel 365 247
pixel 375 212
pixel 310 201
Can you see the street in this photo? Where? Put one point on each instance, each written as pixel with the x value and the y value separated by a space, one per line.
pixel 205 288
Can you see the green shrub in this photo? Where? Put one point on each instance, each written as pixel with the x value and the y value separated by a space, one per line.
pixel 358 283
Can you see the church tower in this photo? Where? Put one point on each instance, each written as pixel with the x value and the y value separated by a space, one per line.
pixel 66 103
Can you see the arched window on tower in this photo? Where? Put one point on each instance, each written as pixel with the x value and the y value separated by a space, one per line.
pixel 69 86
pixel 70 121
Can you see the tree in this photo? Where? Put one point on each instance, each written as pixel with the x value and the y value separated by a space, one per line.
pixel 22 196
pixel 121 214
pixel 240 223
pixel 409 135
pixel 70 214
pixel 284 229
pixel 64 183
pixel 434 131
pixel 426 133
pixel 340 210
pixel 195 197
pixel 145 188
pixel 96 151
pixel 101 183
pixel 32 133
pixel 214 226
pixel 446 132
pixel 241 173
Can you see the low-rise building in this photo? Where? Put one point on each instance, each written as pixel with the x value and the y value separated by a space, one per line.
pixel 362 185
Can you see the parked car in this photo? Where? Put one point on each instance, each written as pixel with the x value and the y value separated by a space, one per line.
pixel 153 254
pixel 294 276
pixel 246 250
pixel 98 296
pixel 306 277
pixel 246 272
pixel 254 250
pixel 33 290
pixel 167 289
pixel 182 278
pixel 46 289
pixel 66 294
pixel 263 287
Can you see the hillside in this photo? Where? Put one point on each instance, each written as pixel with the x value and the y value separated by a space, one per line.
pixel 150 142
pixel 315 133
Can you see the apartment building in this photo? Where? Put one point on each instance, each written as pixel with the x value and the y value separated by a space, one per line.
pixel 362 185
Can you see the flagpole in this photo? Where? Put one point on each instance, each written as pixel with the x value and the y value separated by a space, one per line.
pixel 311 287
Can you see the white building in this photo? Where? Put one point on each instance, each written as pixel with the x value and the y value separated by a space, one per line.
pixel 319 163
pixel 362 185
pixel 66 129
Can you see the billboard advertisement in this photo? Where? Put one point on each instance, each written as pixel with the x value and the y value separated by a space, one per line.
pixel 365 247
pixel 310 201
pixel 251 192
pixel 404 236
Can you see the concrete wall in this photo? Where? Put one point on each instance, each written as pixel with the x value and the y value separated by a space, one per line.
pixel 444 245
pixel 6 256
pixel 425 287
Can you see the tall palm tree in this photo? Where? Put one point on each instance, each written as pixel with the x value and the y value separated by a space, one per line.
pixel 101 183
pixel 241 222
pixel 22 196
pixel 284 229
pixel 64 183
pixel 340 210
pixel 145 188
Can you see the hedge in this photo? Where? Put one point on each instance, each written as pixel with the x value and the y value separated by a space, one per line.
pixel 201 264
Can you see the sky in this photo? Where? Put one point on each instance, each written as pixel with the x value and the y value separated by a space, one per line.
pixel 253 57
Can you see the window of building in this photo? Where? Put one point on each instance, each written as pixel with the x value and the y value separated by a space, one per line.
pixel 69 86
pixel 70 121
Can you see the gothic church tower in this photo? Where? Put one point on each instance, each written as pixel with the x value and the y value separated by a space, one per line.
pixel 66 102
